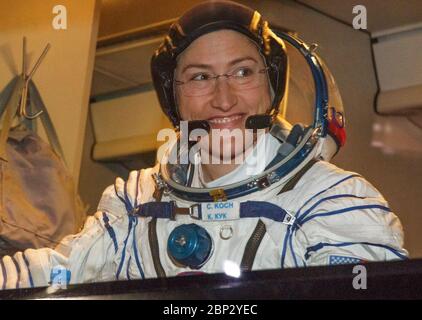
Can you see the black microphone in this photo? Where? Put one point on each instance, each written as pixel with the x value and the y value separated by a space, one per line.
pixel 258 121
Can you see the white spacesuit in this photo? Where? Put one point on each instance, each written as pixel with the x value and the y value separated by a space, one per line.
pixel 340 218
pixel 291 208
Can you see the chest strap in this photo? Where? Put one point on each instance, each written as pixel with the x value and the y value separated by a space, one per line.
pixel 252 246
pixel 216 211
pixel 155 249
pixel 248 209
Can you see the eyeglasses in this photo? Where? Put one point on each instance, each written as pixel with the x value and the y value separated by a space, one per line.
pixel 204 83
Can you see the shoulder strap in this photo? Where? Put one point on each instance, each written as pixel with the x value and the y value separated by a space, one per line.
pixel 295 179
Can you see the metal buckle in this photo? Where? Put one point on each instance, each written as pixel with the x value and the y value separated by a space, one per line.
pixel 173 211
pixel 195 211
pixel 289 219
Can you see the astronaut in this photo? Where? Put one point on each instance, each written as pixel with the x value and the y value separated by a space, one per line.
pixel 221 68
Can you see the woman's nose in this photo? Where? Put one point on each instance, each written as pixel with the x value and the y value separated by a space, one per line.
pixel 224 96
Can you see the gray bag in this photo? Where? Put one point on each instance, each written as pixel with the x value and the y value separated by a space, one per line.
pixel 39 204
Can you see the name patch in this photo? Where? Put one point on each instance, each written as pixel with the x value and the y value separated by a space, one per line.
pixel 220 211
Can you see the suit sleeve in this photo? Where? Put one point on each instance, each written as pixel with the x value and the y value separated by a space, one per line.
pixel 347 222
pixel 84 257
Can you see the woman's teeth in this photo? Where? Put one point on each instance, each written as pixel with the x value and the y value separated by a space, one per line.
pixel 225 119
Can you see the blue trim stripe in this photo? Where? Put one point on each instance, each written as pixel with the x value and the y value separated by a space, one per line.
pixel 128 204
pixel 3 269
pixel 126 200
pixel 110 231
pixel 337 196
pixel 330 187
pixel 117 194
pixel 31 282
pixel 283 253
pixel 289 232
pixel 124 248
pixel 135 249
pixel 321 245
pixel 18 272
pixel 340 211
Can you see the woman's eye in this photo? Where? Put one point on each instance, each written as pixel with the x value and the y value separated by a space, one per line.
pixel 243 72
pixel 200 77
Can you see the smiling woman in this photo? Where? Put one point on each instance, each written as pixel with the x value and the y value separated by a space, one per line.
pixel 224 82
pixel 222 66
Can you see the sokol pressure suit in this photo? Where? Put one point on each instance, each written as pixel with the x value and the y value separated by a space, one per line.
pixel 298 210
